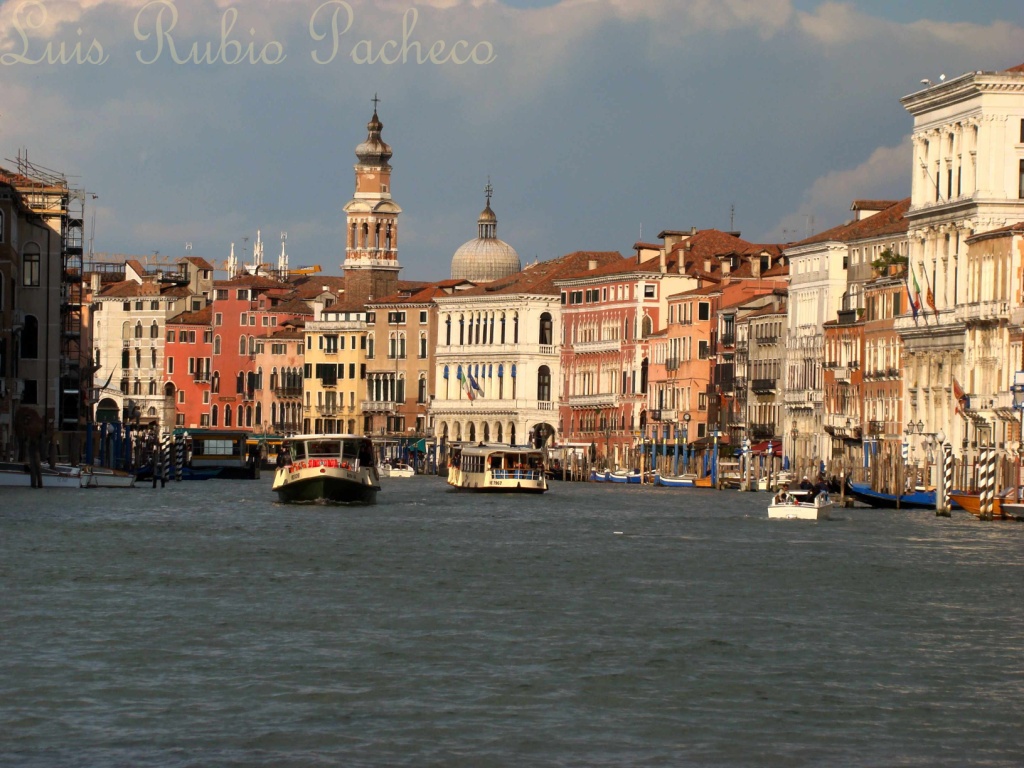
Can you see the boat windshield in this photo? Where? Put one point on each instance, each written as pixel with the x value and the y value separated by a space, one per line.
pixel 323 448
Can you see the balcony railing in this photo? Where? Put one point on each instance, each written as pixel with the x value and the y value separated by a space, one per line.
pixel 876 427
pixel 607 345
pixel 201 377
pixel 287 391
pixel 663 414
pixel 763 385
pixel 727 340
pixel 332 409
pixel 287 427
pixel 762 431
pixel 767 341
pixel 593 401
pixel 378 406
pixel 672 364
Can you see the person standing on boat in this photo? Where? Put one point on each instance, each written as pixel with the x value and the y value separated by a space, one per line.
pixel 284 457
pixel 806 484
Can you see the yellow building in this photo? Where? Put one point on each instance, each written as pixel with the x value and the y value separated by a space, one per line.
pixel 334 371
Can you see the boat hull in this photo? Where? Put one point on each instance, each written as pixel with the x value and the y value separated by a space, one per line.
pixel 676 481
pixel 100 477
pixel 632 478
pixel 1002 506
pixel 799 511
pixel 17 476
pixel 918 500
pixel 326 484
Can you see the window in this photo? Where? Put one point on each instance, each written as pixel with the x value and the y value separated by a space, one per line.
pixel 31 265
pixel 126 306
pixel 703 310
pixel 170 337
pixel 218 319
pixel 396 318
pixel 155 305
pixel 649 291
pixel 1 226
pixel 30 340
pixel 546 333
pixel 423 312
pixel 29 395
pixel 702 349
pixel 1020 190
pixel 702 401
pixel 544 384
pixel 243 318
pixel 423 346
pixel 154 331
pixel 181 395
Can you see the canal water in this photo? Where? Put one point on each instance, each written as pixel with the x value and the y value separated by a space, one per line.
pixel 204 624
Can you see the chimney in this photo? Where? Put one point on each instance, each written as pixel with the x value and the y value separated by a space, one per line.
pixel 661 261
pixel 726 266
pixel 591 264
pixel 95 282
pixel 755 267
pixel 707 264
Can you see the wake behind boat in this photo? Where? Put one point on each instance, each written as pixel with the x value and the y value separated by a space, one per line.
pixel 496 467
pixel 338 468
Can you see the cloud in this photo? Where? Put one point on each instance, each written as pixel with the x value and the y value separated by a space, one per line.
pixel 884 175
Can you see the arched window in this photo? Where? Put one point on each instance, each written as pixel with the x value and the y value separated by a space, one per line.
pixel 152 357
pixel 216 344
pixel 487 432
pixel 152 387
pixel 462 331
pixel 259 414
pixel 126 330
pixel 138 357
pixel 448 330
pixel 515 328
pixel 138 329
pixel 544 384
pixel 646 326
pixel 499 433
pixel 546 331
pixel 240 382
pixel 136 387
pixel 248 416
pixel 227 415
pixel 214 417
pixel 503 328
pixel 241 345
pixel 252 345
pixel 31 265
pixel 472 432
pixel 215 382
pixel 643 377
pixel 30 338
pixel 154 330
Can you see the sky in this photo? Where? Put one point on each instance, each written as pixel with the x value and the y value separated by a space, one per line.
pixel 598 122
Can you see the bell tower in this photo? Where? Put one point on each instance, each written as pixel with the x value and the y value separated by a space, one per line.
pixel 371 251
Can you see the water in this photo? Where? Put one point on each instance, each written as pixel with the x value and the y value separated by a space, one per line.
pixel 203 624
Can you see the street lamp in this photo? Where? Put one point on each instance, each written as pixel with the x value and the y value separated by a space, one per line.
pixel 686 442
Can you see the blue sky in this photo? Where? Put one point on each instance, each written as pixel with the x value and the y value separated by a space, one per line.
pixel 596 119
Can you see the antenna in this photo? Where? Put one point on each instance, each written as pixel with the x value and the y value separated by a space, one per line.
pixel 732 216
pixel 188 246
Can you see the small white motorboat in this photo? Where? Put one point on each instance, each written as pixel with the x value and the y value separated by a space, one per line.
pixel 795 505
pixel 397 469
pixel 104 477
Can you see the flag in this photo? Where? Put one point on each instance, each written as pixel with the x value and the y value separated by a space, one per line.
pixel 465 384
pixel 959 395
pixel 475 386
pixel 928 297
pixel 911 300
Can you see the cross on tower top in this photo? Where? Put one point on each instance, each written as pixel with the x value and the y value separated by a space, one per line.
pixel 488 190
pixel 375 101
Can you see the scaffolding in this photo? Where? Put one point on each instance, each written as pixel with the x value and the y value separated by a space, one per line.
pixel 49 194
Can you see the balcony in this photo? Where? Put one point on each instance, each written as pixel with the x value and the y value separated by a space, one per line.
pixel 727 340
pixel 767 341
pixel 287 391
pixel 608 400
pixel 331 409
pixel 662 415
pixel 762 431
pixel 763 386
pixel 672 364
pixel 286 427
pixel 982 312
pixel 547 349
pixel 609 345
pixel 876 428
pixel 842 375
pixel 201 377
pixel 378 406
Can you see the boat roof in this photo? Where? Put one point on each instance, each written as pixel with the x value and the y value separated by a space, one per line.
pixel 333 435
pixel 495 447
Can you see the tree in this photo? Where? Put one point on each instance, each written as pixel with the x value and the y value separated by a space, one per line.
pixel 885 262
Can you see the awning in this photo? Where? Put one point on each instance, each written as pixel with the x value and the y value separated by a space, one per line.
pixel 762 447
pixel 420 446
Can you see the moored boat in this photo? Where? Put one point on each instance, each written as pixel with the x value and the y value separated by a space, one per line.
pixel 790 506
pixel 598 475
pixel 337 468
pixel 497 467
pixel 14 475
pixel 920 498
pixel 1004 503
pixel 631 476
pixel 104 477
pixel 675 481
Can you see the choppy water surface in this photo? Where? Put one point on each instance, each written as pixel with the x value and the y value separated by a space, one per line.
pixel 204 624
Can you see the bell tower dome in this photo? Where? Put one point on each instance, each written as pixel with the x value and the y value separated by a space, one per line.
pixel 371 250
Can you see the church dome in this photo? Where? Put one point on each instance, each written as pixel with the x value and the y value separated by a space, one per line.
pixel 374 151
pixel 486 258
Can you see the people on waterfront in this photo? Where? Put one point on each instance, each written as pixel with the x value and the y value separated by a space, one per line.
pixel 806 484
pixel 782 497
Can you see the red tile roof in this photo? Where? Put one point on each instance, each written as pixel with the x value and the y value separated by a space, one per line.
pixel 202 317
pixel 891 221
pixel 1009 229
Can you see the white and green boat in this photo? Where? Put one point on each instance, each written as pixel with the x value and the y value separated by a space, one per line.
pixel 336 468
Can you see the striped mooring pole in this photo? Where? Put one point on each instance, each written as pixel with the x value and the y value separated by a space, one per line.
pixel 985 483
pixel 947 477
pixel 179 457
